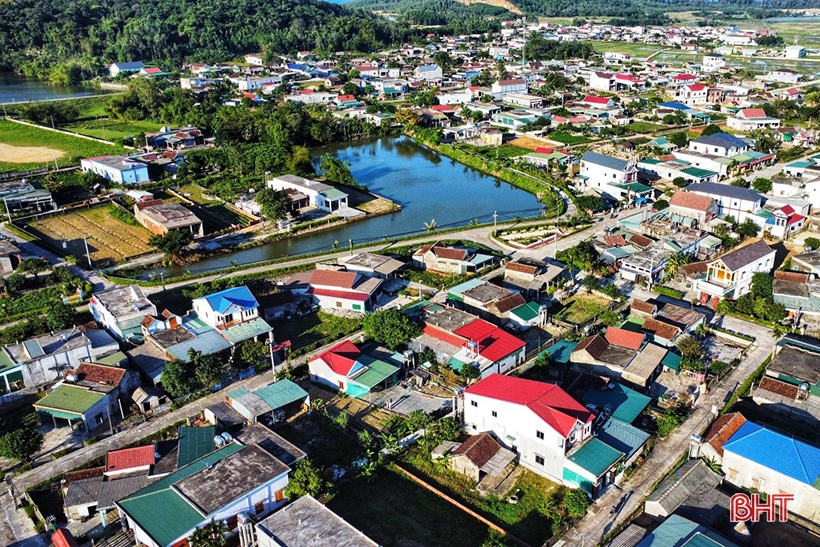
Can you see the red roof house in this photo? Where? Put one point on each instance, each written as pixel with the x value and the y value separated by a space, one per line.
pixel 130 460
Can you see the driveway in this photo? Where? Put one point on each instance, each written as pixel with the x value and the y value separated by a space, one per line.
pixel 405 400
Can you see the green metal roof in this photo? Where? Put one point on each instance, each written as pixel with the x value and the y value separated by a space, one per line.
pixel 5 361
pixel 626 404
pixel 247 330
pixel 112 360
pixel 697 172
pixel 68 398
pixel 281 393
pixel 455 364
pixel 333 194
pixel 194 443
pixel 800 164
pixel 651 161
pixel 671 360
pixel 207 343
pixel 561 351
pixel 376 371
pixel 527 312
pixel 622 437
pixel 456 291
pixel 596 457
pixel 160 511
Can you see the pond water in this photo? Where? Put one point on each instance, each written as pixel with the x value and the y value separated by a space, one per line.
pixel 14 88
pixel 427 186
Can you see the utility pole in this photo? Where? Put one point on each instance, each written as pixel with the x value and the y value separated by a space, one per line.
pixel 272 363
pixel 495 220
pixel 88 254
pixel 350 241
pixel 6 204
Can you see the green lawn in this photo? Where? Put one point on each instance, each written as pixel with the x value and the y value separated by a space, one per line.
pixel 645 127
pixel 531 519
pixel 639 51
pixel 315 328
pixel 502 152
pixel 73 148
pixel 394 511
pixel 566 138
pixel 581 308
pixel 111 129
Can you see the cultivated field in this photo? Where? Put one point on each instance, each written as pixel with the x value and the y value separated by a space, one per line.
pixel 108 238
pixel 29 147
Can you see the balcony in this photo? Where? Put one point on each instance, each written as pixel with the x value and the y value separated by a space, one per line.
pixel 715 287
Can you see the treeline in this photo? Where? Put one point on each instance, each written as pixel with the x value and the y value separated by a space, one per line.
pixel 68 39
pixel 541 49
pixel 453 16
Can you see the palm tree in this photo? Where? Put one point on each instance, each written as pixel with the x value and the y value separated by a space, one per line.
pixel 675 263
pixel 431 226
pixel 210 535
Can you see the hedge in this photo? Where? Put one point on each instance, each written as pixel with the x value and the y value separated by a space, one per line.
pixel 668 291
pixel 746 387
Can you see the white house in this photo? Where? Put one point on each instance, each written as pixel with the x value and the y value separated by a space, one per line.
pixel 119 169
pixel 795 52
pixel 692 94
pixel 713 62
pixel 784 75
pixel 321 195
pixel 501 88
pixel 602 81
pixel 227 308
pixel 338 290
pixel 121 311
pixel 428 73
pixel 740 203
pixel 115 69
pixel 538 421
pixel 600 171
pixel 455 97
pixel 730 276
pixel 719 144
pixel 749 119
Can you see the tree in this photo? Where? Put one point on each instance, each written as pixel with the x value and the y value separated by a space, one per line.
pixel 577 502
pixel 669 421
pixel 690 347
pixel 173 242
pixel 390 327
pixel 210 535
pixel 711 129
pixel 762 285
pixel 591 283
pixel 60 316
pixel 609 317
pixel 406 116
pixel 337 170
pixel 469 372
pixel 274 204
pixel 675 263
pixel 740 182
pixel 812 242
pixel 660 205
pixel 305 480
pixel 350 89
pixel 748 228
pixel 207 368
pixel 678 139
pixel 762 185
pixel 34 266
pixel 250 353
pixel 680 182
pixel 21 444
pixel 178 379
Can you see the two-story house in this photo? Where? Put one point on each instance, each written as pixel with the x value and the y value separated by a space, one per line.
pixel 692 94
pixel 501 88
pixel 719 144
pixel 539 421
pixel 599 170
pixel 121 311
pixel 739 203
pixel 730 276
pixel 695 206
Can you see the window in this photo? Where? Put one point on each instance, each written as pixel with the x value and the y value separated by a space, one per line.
pixel 259 507
pixel 495 414
pixel 540 435
pixel 732 474
pixel 474 403
pixel 539 459
pixel 338 304
pixel 279 495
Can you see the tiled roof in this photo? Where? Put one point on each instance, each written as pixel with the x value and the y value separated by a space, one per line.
pixel 523 268
pixel 449 253
pixel 503 305
pixel 795 277
pixel 661 329
pixel 129 458
pixel 615 241
pixel 747 254
pixel 779 387
pixel 640 241
pixel 688 200
pixel 331 278
pixel 624 338
pixel 777 452
pixel 595 345
pixel 341 358
pixel 642 306
pixel 750 113
pixel 723 429
pixel 478 448
pixel 100 374
pixel 548 401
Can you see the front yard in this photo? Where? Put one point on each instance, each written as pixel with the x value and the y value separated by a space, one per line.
pixel 314 329
pixel 581 308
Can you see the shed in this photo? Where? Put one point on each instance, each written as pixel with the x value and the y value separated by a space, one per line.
pixel 692 479
pixel 480 455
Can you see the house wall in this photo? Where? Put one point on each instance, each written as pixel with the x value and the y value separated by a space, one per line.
pixel 320 372
pixel 49 368
pixel 522 424
pixel 747 474
pixel 600 176
pixel 462 464
pixel 336 303
pixel 137 173
pixel 505 364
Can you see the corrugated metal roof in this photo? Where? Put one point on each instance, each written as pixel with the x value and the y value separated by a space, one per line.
pixel 622 437
pixel 247 330
pixel 595 456
pixel 689 479
pixel 281 393
pixel 194 443
pixel 375 372
pixel 207 343
pixel 68 398
pixel 626 404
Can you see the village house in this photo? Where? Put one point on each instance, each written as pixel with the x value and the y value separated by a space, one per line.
pixel 695 206
pixel 174 139
pixel 750 119
pixel 514 86
pixel 373 265
pixel 160 217
pixel 320 195
pixel 337 290
pixel 119 169
pixel 121 311
pixel 345 368
pixel 608 174
pixel 739 203
pixel 131 67
pixel 532 277
pixel 730 276
pixel 450 260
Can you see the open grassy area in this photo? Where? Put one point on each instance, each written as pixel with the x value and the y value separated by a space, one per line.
pixel 581 308
pixel 109 239
pixel 501 152
pixel 531 519
pixel 645 127
pixel 396 512
pixel 314 328
pixel 105 128
pixel 215 214
pixel 566 138
pixel 638 51
pixel 68 150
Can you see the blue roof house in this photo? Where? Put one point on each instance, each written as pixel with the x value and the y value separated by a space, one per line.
pixel 230 306
pixel 772 462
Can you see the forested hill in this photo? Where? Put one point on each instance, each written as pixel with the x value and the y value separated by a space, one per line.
pixel 37 35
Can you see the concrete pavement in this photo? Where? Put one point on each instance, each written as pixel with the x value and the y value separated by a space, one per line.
pixel 599 521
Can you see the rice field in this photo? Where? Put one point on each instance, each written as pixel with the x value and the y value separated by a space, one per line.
pixel 108 238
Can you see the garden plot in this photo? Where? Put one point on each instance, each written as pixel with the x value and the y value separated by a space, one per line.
pixel 108 238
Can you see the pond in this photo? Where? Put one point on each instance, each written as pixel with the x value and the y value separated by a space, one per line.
pixel 427 186
pixel 14 88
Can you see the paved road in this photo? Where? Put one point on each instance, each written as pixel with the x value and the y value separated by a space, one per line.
pixel 599 521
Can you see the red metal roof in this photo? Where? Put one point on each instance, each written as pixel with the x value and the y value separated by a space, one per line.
pixel 341 358
pixel 548 401
pixel 751 113
pixel 444 336
pixel 794 219
pixel 332 278
pixel 494 344
pixel 682 77
pixel 624 338
pixel 63 538
pixel 696 87
pixel 347 295
pixel 129 458
pixel 594 99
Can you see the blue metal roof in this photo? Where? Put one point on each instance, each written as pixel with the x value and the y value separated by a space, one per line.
pixel 775 451
pixel 222 301
pixel 723 140
pixel 605 161
pixel 674 105
pixel 724 190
